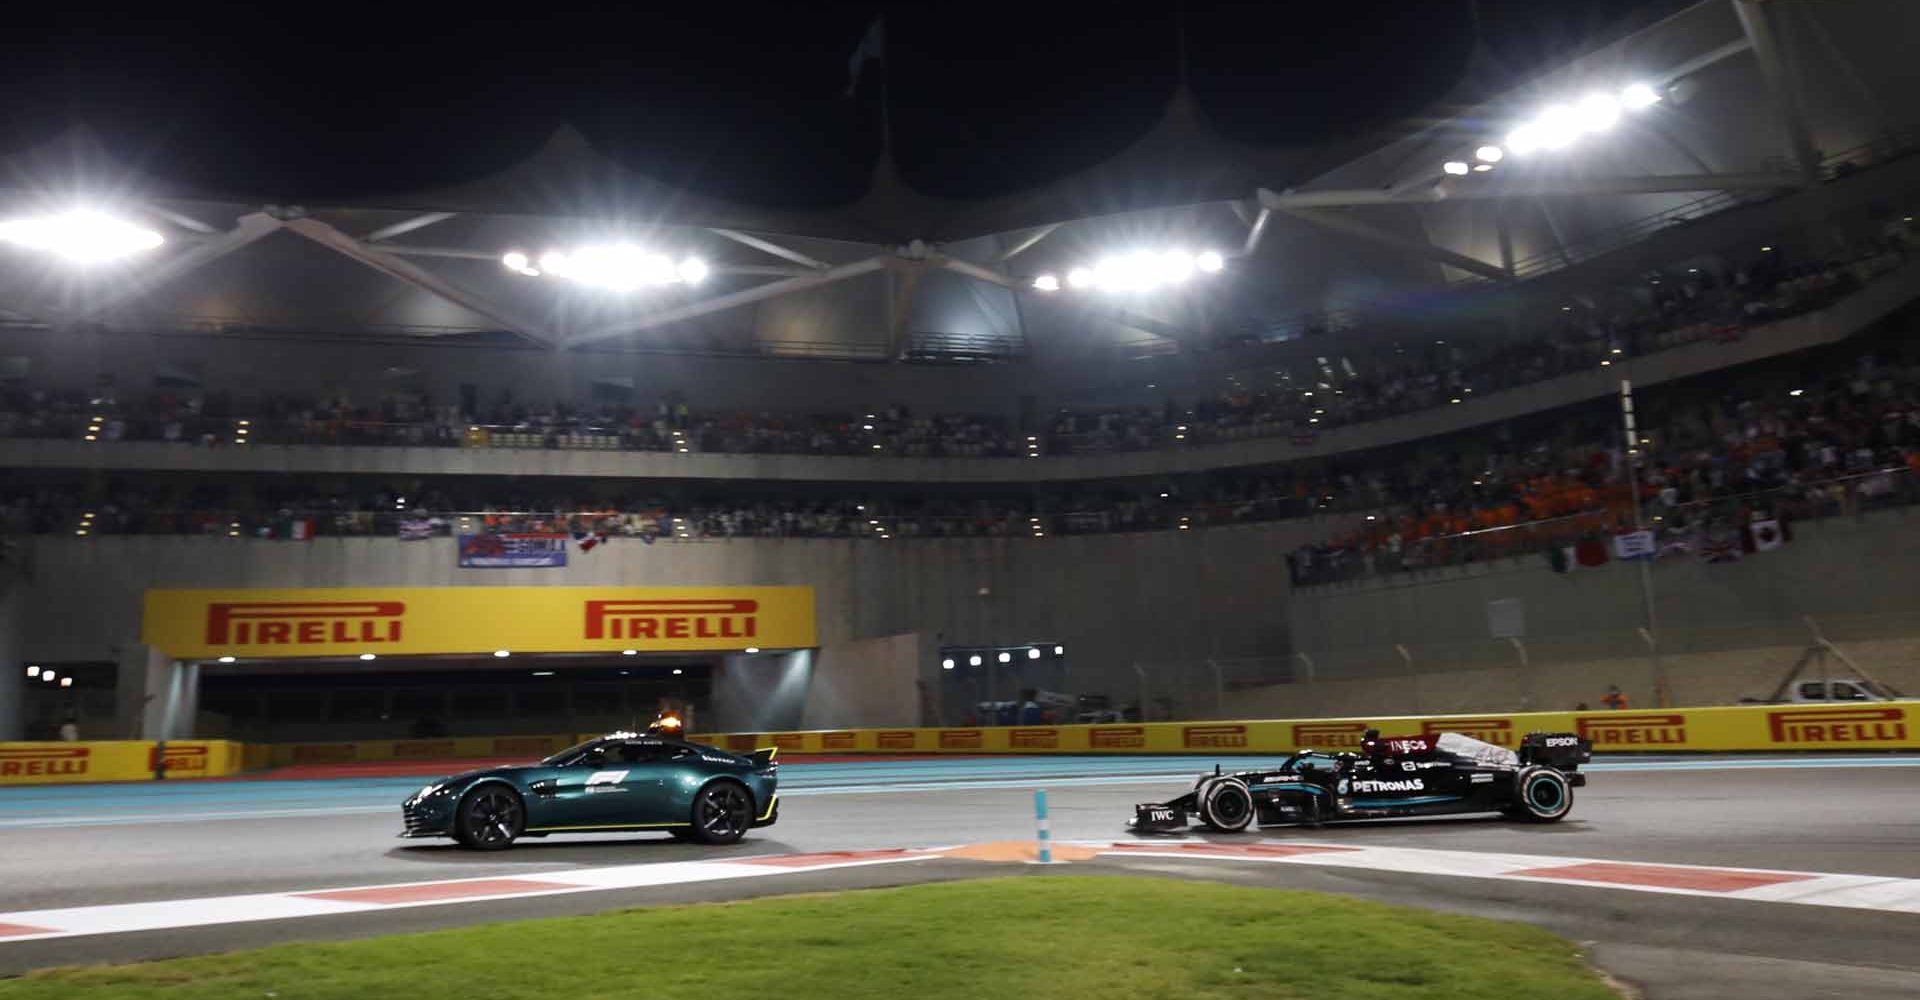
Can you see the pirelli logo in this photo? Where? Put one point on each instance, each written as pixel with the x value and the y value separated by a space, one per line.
pixel 691 619
pixel 523 746
pixel 1221 737
pixel 895 739
pixel 306 623
pixel 180 761
pixel 1328 735
pixel 1837 725
pixel 839 741
pixel 1631 730
pixel 1117 737
pixel 38 762
pixel 962 739
pixel 1034 739
pixel 787 741
pixel 325 753
pixel 1499 732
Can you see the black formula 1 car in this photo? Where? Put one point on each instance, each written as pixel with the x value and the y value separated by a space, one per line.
pixel 1399 776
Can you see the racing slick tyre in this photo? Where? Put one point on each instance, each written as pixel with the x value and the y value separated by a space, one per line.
pixel 722 813
pixel 489 818
pixel 1541 795
pixel 1226 805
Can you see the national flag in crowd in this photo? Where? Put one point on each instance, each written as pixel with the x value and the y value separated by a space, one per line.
pixel 300 529
pixel 589 540
pixel 1588 553
pixel 416 529
pixel 1633 545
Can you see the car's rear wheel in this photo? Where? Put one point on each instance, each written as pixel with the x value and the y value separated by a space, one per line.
pixel 722 813
pixel 1226 805
pixel 491 818
pixel 1541 795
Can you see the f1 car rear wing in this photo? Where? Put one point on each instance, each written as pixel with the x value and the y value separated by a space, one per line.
pixel 1560 751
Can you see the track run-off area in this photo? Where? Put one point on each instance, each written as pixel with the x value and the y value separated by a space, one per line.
pixel 1738 874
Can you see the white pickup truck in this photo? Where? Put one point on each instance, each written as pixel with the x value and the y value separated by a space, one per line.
pixel 1821 692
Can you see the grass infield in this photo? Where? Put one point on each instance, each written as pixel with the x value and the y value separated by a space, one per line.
pixel 1028 937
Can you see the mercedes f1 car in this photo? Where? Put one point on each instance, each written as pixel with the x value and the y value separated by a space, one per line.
pixel 1400 776
pixel 624 781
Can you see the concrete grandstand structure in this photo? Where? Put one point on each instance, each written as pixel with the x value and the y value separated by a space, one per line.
pixel 1777 126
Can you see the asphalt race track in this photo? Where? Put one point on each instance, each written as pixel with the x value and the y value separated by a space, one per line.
pixel 85 846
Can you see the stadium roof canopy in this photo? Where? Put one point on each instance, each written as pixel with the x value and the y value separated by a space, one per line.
pixel 1754 92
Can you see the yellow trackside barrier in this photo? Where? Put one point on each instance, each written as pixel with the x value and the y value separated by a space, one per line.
pixel 117 760
pixel 450 748
pixel 1747 728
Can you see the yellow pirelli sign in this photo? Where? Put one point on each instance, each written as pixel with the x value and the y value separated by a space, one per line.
pixel 349 621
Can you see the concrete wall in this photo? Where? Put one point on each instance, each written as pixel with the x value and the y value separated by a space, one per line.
pixel 1724 631
pixel 867 682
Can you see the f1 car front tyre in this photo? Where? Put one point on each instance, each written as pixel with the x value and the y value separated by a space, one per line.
pixel 1226 805
pixel 1541 795
pixel 490 818
pixel 722 813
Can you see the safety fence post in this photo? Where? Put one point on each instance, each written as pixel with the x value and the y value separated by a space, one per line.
pixel 1045 835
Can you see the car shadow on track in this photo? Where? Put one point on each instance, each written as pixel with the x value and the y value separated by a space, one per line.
pixel 600 850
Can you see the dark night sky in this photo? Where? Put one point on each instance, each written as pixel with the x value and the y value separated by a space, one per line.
pixel 735 99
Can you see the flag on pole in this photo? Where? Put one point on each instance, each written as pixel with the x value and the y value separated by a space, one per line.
pixel 873 45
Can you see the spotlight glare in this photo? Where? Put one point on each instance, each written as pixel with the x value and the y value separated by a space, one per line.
pixel 1006 657
pixel 226 659
pixel 1598 112
pixel 1481 168
pixel 33 671
pixel 1639 95
pixel 1209 261
pixel 693 270
pixel 1059 650
pixel 1489 154
pixel 1047 283
pixel 66 682
pixel 515 261
pixel 1080 277
pixel 501 654
pixel 947 664
pixel 1454 167
pixel 80 237
pixel 368 656
pixel 974 660
pixel 1033 654
pixel 1559 125
pixel 1524 140
pixel 753 649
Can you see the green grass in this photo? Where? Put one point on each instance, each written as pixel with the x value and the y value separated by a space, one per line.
pixel 1021 938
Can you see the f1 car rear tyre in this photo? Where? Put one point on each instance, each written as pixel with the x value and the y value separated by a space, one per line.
pixel 722 813
pixel 1541 795
pixel 490 818
pixel 1226 805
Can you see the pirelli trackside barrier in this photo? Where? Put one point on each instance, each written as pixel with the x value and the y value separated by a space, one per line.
pixel 118 760
pixel 1881 726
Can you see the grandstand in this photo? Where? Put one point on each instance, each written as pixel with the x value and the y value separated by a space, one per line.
pixel 1295 438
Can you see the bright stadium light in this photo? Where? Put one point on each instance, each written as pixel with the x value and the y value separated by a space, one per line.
pixel 1559 125
pixel 66 682
pixel 1639 95
pixel 1033 654
pixel 974 660
pixel 1454 167
pixel 1047 283
pixel 947 664
pixel 33 671
pixel 1524 139
pixel 1080 277
pixel 629 652
pixel 82 236
pixel 226 659
pixel 1059 650
pixel 1489 154
pixel 515 261
pixel 1209 261
pixel 1006 657
pixel 752 649
pixel 617 267
pixel 1597 112
pixel 501 653
pixel 693 270
pixel 368 657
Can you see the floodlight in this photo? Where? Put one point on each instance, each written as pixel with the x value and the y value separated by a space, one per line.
pixel 1047 283
pixel 1639 95
pixel 1006 657
pixel 1059 650
pixel 80 237
pixel 974 660
pixel 1559 125
pixel 1176 266
pixel 1080 277
pixel 693 270
pixel 1525 139
pixel 1489 154
pixel 947 664
pixel 1597 112
pixel 1033 654
pixel 514 260
pixel 1454 167
pixel 1481 168
pixel 33 671
pixel 66 682
pixel 1209 261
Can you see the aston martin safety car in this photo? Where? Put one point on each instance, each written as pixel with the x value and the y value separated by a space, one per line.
pixel 1443 774
pixel 652 781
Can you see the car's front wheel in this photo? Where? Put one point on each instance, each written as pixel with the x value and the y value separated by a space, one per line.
pixel 491 818
pixel 1226 805
pixel 722 813
pixel 1541 795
